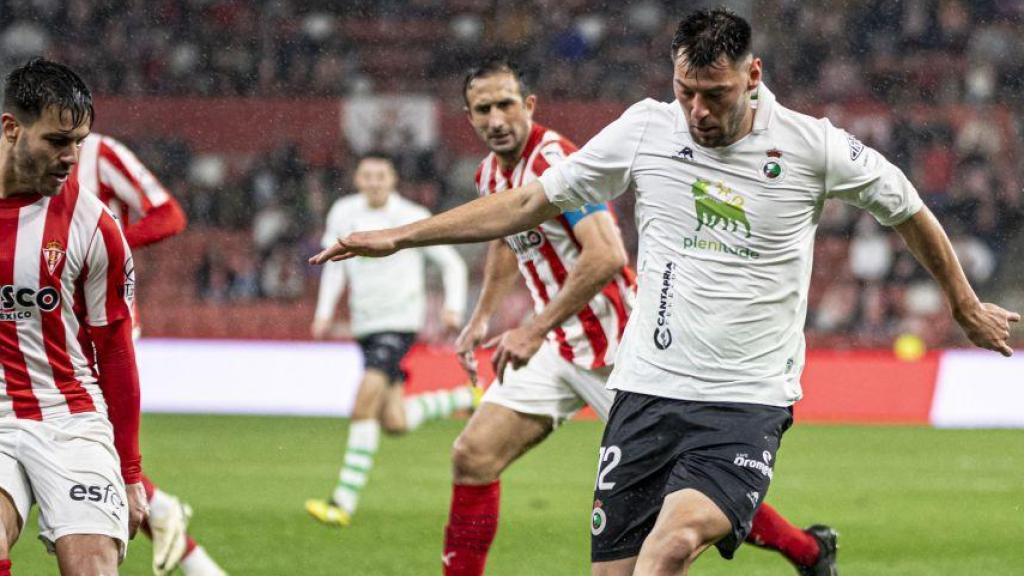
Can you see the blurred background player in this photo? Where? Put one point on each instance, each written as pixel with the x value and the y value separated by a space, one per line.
pixel 387 303
pixel 575 269
pixel 148 214
pixel 69 410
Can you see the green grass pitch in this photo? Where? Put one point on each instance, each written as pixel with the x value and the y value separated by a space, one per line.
pixel 907 501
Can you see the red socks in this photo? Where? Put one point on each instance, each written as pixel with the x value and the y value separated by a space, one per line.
pixel 472 524
pixel 5 568
pixel 771 530
pixel 190 545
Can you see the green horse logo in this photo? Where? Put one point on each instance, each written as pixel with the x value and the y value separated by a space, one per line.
pixel 713 210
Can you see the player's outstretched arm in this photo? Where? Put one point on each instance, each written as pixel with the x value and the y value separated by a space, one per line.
pixel 987 325
pixel 486 218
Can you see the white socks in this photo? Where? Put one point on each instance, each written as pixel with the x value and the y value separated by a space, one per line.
pixel 363 439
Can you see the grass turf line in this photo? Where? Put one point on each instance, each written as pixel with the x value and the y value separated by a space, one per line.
pixel 907 501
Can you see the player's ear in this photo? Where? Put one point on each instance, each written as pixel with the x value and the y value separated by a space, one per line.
pixel 11 127
pixel 530 103
pixel 754 76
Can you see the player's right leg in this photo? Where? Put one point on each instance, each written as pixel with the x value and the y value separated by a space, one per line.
pixel 494 438
pixel 11 521
pixel 513 417
pixel 363 440
pixel 87 554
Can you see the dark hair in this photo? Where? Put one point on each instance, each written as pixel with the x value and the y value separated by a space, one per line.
pixel 38 84
pixel 706 35
pixel 500 65
pixel 376 155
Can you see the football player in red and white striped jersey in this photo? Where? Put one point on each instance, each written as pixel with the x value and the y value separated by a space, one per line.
pixel 69 404
pixel 148 214
pixel 574 267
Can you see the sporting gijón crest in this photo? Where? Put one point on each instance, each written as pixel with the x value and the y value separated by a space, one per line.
pixel 53 253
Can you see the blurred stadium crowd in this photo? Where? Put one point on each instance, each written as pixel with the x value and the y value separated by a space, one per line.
pixel 936 85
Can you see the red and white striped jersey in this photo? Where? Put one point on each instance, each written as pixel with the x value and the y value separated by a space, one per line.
pixel 122 182
pixel 547 253
pixel 64 265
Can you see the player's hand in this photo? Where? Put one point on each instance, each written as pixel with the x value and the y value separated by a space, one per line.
pixel 515 347
pixel 988 326
pixel 321 328
pixel 375 244
pixel 138 507
pixel 465 347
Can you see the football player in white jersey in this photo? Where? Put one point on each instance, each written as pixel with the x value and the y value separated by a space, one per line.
pixel 729 184
pixel 580 320
pixel 387 306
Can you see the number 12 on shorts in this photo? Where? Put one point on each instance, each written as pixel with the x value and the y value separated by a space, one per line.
pixel 607 461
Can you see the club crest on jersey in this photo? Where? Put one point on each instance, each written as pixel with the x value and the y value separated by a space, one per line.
pixel 773 169
pixel 724 208
pixel 598 519
pixel 53 253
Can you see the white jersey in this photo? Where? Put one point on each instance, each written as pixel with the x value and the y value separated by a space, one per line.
pixel 385 294
pixel 64 266
pixel 726 242
pixel 546 253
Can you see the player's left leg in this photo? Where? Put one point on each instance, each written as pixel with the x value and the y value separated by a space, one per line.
pixel 812 551
pixel 401 414
pixel 87 554
pixel 689 522
pixel 173 547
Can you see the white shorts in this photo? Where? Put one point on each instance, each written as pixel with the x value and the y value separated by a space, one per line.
pixel 550 385
pixel 69 466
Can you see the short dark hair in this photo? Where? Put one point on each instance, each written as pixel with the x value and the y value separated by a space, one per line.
pixel 706 35
pixel 376 155
pixel 38 84
pixel 499 65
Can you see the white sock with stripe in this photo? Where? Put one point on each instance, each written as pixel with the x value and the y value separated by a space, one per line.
pixel 438 404
pixel 363 439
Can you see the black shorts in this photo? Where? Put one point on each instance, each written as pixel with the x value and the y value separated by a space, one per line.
pixel 655 446
pixel 384 351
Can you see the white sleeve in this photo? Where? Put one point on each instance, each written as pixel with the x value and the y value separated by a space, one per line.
pixel 602 169
pixel 862 177
pixel 332 285
pixel 333 226
pixel 453 275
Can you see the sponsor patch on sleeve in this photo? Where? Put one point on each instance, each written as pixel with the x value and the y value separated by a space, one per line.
pixel 856 147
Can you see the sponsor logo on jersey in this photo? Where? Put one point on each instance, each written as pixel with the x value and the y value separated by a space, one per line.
pixel 719 207
pixel 763 466
pixel 686 153
pixel 100 494
pixel 127 289
pixel 525 242
pixel 17 303
pixel 662 334
pixel 53 253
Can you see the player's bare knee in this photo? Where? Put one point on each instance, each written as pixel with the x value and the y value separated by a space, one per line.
pixel 471 463
pixel 676 546
pixel 392 428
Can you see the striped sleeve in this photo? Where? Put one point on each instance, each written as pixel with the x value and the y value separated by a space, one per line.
pixel 109 286
pixel 131 182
